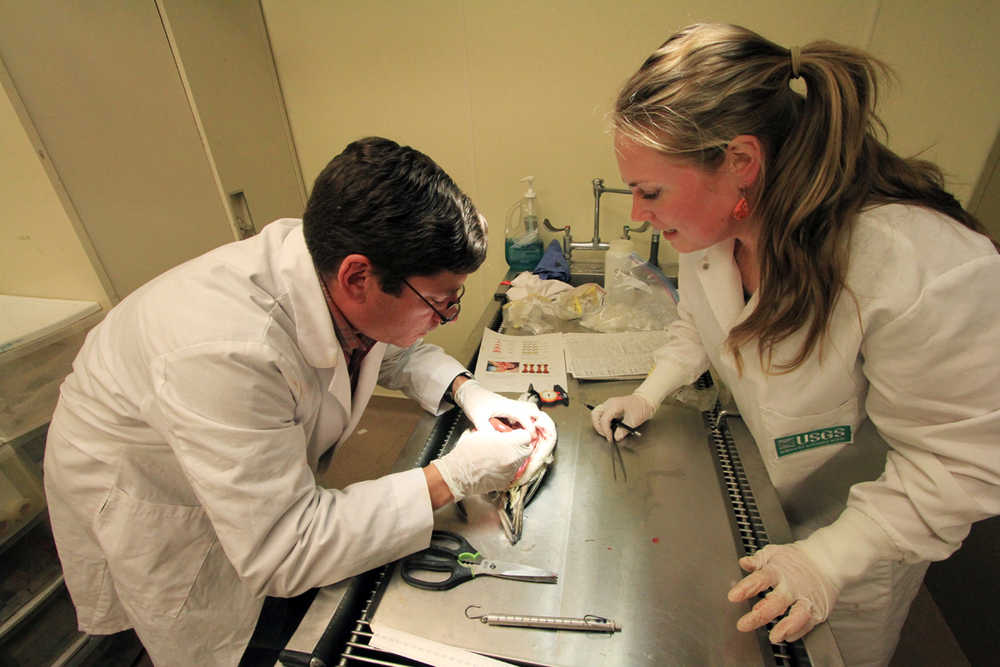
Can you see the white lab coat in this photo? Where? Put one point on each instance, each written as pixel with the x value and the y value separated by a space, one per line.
pixel 181 457
pixel 913 346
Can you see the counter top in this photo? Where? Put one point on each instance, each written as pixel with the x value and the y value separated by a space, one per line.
pixel 656 553
pixel 28 320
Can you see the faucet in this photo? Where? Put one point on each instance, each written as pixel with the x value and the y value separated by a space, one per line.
pixel 641 228
pixel 654 240
pixel 599 189
pixel 569 245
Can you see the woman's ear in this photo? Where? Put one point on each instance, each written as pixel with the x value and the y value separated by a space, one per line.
pixel 745 158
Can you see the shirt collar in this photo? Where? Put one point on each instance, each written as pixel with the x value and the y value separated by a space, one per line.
pixel 351 340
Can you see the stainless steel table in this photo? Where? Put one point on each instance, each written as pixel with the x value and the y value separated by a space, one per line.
pixel 656 553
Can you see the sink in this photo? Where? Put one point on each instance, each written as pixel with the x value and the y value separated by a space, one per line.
pixel 586 272
pixel 578 279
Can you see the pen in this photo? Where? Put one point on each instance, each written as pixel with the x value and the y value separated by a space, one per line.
pixel 617 423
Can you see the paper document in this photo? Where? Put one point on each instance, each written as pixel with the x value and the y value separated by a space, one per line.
pixel 425 650
pixel 511 363
pixel 606 356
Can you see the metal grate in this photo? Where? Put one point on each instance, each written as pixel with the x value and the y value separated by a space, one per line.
pixel 746 517
pixel 748 526
pixel 357 649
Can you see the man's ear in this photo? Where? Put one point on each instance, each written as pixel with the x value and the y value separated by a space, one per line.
pixel 355 277
pixel 745 157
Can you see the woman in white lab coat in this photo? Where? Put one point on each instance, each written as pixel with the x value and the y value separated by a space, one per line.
pixel 825 280
pixel 181 459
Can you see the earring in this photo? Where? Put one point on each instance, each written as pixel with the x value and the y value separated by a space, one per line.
pixel 741 210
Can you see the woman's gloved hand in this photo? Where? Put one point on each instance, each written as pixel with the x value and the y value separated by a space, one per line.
pixel 480 405
pixel 808 575
pixel 797 582
pixel 633 410
pixel 483 461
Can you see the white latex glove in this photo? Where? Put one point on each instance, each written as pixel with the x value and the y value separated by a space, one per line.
pixel 808 575
pixel 796 581
pixel 633 410
pixel 480 405
pixel 483 461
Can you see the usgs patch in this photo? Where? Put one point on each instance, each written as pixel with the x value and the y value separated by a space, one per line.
pixel 832 435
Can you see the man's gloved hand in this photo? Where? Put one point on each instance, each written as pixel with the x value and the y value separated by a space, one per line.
pixel 480 405
pixel 797 582
pixel 633 410
pixel 483 461
pixel 808 575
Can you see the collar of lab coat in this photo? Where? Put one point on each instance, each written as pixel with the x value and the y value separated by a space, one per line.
pixel 720 278
pixel 313 326
pixel 314 330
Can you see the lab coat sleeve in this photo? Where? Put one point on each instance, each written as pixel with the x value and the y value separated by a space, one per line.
pixel 228 413
pixel 935 398
pixel 678 362
pixel 421 371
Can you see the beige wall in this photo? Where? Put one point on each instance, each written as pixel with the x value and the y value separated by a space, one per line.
pixel 945 105
pixel 40 253
pixel 496 91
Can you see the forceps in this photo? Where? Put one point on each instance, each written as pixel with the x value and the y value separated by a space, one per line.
pixel 616 451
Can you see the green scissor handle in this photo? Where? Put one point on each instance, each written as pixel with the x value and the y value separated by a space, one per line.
pixel 467 558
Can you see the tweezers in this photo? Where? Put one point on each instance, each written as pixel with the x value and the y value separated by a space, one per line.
pixel 616 451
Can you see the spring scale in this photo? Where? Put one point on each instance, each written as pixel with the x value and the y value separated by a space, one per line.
pixel 588 623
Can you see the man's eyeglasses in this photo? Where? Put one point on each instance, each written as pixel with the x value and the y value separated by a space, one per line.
pixel 452 308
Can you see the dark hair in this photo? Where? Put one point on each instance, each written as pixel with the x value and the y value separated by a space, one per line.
pixel 824 161
pixel 398 208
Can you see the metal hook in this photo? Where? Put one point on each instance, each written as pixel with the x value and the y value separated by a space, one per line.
pixel 722 416
pixel 473 617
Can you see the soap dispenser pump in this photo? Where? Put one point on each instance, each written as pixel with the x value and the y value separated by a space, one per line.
pixel 528 216
pixel 522 245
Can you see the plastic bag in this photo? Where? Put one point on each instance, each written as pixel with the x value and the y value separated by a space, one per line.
pixel 579 301
pixel 640 299
pixel 700 399
pixel 526 284
pixel 534 313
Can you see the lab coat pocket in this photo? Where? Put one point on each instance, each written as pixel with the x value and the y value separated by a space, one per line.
pixel 154 550
pixel 796 445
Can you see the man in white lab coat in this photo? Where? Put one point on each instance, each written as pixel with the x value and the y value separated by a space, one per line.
pixel 181 459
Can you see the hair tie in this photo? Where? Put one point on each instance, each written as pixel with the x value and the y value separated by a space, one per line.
pixel 796 54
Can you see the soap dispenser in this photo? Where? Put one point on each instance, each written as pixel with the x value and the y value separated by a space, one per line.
pixel 522 244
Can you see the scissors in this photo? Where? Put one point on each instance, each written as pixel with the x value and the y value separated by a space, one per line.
pixel 450 552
